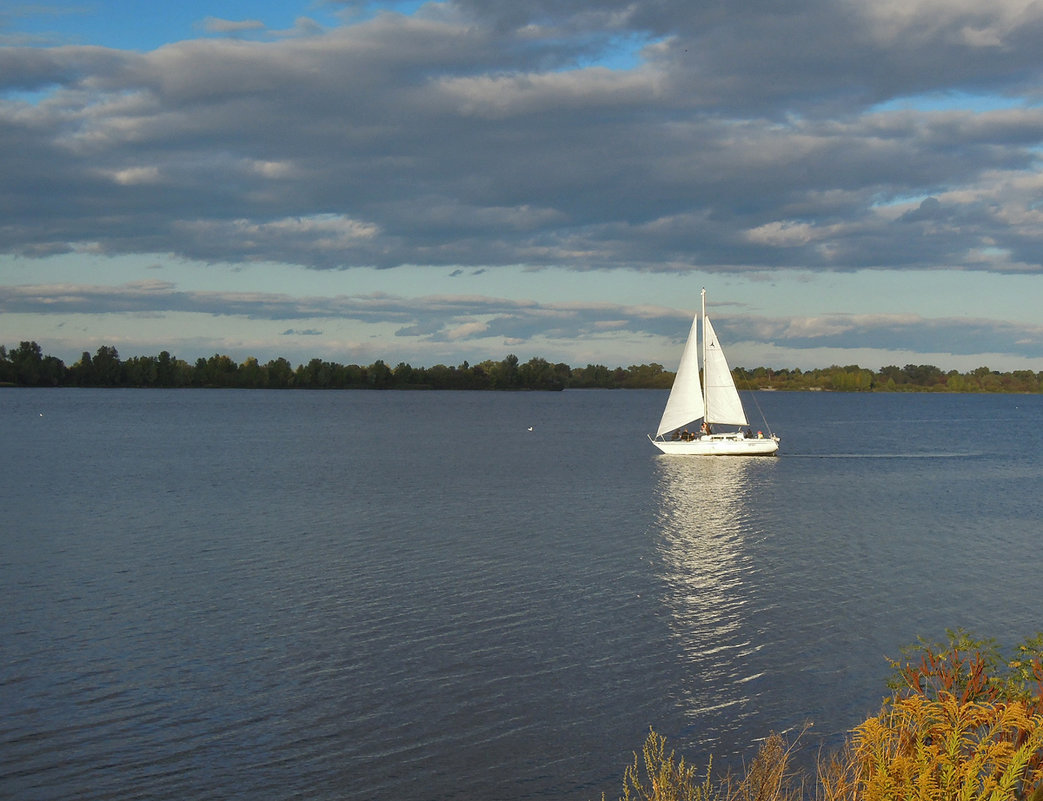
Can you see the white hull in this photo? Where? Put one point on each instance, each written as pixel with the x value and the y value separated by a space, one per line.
pixel 720 445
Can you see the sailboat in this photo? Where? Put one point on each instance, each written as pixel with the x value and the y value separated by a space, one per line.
pixel 716 402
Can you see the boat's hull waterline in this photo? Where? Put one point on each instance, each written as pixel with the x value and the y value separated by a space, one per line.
pixel 720 445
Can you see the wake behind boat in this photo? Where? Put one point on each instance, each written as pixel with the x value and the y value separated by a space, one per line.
pixel 716 402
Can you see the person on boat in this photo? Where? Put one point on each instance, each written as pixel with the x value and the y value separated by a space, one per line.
pixel 685 435
pixel 749 433
pixel 706 428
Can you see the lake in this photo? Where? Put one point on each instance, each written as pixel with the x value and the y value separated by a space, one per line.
pixel 411 595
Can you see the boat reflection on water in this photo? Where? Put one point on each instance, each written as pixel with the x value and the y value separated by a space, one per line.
pixel 706 520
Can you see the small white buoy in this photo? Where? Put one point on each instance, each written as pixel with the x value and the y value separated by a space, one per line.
pixel 530 427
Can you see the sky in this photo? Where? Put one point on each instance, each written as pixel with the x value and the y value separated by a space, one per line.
pixel 852 182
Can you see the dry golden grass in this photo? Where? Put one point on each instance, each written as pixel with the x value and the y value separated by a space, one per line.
pixel 655 776
pixel 768 777
pixel 963 725
pixel 917 749
pixel 940 750
pixel 658 776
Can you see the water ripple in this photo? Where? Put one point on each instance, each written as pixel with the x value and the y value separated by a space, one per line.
pixel 267 596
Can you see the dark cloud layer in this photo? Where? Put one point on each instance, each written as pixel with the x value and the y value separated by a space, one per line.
pixel 460 319
pixel 483 134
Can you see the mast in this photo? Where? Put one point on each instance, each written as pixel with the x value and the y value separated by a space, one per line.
pixel 706 386
pixel 717 376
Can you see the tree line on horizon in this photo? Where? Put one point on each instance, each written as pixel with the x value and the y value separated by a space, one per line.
pixel 27 365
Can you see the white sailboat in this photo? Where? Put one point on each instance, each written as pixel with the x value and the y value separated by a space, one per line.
pixel 716 402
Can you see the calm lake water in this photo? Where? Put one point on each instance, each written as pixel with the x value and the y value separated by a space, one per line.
pixel 361 595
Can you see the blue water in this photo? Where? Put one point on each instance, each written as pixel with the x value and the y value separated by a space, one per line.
pixel 363 595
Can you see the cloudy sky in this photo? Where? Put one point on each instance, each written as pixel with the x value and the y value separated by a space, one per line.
pixel 853 182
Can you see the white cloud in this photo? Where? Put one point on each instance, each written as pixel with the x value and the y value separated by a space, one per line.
pixel 782 233
pixel 135 175
pixel 467 331
pixel 470 138
pixel 273 169
pixel 501 96
pixel 227 26
pixel 450 140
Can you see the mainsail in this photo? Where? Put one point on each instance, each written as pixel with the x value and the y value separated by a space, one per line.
pixel 722 399
pixel 685 403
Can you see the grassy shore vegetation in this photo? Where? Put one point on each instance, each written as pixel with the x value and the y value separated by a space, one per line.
pixel 962 724
pixel 26 365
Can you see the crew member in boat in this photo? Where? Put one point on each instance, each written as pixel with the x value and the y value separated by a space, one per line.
pixel 705 428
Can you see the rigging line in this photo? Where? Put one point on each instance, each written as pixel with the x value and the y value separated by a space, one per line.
pixel 753 395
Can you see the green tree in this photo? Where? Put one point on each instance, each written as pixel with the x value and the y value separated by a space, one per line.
pixel 199 373
pixel 27 366
pixel 316 375
pixel 107 367
pixel 280 373
pixel 27 363
pixel 53 371
pixel 221 371
pixel 955 382
pixel 593 375
pixel 141 371
pixel 1024 381
pixel 166 370
pixel 504 374
pixel 440 377
pixel 851 378
pixel 538 373
pixel 82 373
pixel 648 376
pixel 892 375
pixel 379 375
pixel 923 375
pixel 6 368
pixel 252 375
pixel 406 376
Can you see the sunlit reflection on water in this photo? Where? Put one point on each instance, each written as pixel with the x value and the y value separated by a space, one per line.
pixel 704 524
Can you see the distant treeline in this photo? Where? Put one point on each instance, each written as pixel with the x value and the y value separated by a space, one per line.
pixel 26 365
